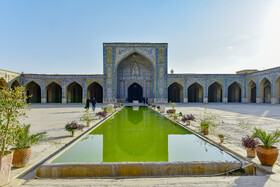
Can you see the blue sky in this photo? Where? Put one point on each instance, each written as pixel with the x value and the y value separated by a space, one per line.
pixel 64 36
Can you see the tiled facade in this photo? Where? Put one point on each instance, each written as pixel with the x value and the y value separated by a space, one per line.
pixel 146 64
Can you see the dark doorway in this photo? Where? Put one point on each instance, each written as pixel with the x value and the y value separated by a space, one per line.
pixel 174 93
pixel 33 91
pixel 215 93
pixel 15 84
pixel 95 90
pixel 54 93
pixel 234 93
pixel 253 94
pixel 74 93
pixel 195 93
pixel 135 92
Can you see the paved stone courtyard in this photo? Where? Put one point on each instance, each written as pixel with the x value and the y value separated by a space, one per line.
pixel 53 117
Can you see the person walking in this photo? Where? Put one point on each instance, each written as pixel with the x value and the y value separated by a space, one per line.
pixel 93 103
pixel 87 103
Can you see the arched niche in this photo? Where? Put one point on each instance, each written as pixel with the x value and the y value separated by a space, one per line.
pixel 195 93
pixel 215 92
pixel 3 84
pixel 265 91
pixel 251 92
pixel 74 93
pixel 277 89
pixel 54 93
pixel 175 93
pixel 33 91
pixel 95 90
pixel 234 93
pixel 135 68
pixel 15 84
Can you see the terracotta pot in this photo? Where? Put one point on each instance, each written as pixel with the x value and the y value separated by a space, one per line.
pixel 222 140
pixel 188 122
pixel 5 168
pixel 205 131
pixel 21 157
pixel 267 156
pixel 251 153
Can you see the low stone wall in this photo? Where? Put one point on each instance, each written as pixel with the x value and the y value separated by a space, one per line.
pixel 138 169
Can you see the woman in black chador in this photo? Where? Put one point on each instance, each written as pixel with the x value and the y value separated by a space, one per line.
pixel 87 103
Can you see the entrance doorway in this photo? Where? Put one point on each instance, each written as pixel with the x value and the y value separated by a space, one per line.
pixel 135 92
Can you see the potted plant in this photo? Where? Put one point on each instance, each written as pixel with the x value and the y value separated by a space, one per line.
pixel 12 106
pixel 187 119
pixel 158 107
pixel 173 105
pixel 250 144
pixel 22 146
pixel 87 117
pixel 208 120
pixel 180 114
pixel 72 127
pixel 221 136
pixel 267 153
pixel 101 114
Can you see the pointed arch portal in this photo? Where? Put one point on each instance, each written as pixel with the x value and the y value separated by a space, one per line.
pixel 135 92
pixel 33 91
pixel 175 93
pixel 95 90
pixel 54 93
pixel 74 93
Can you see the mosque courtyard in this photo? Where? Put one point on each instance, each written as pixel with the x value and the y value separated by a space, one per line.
pixel 53 117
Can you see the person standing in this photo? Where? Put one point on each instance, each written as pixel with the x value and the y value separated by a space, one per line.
pixel 93 103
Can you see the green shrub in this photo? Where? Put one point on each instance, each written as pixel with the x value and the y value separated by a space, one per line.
pixel 268 139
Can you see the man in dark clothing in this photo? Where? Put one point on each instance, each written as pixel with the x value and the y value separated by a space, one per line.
pixel 87 103
pixel 93 103
pixel 144 100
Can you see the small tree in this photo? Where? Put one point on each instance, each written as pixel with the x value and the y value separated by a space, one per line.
pixel 12 106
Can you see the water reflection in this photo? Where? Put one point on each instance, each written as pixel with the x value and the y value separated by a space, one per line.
pixel 141 136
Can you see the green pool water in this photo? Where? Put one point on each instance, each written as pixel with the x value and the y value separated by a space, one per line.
pixel 138 134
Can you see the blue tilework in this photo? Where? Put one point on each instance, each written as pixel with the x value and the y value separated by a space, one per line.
pixel 114 94
pixel 104 72
pixel 165 95
pixel 226 88
pixel 186 88
pixel 156 96
pixel 206 90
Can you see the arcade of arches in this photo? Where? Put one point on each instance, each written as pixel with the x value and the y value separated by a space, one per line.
pixel 265 91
